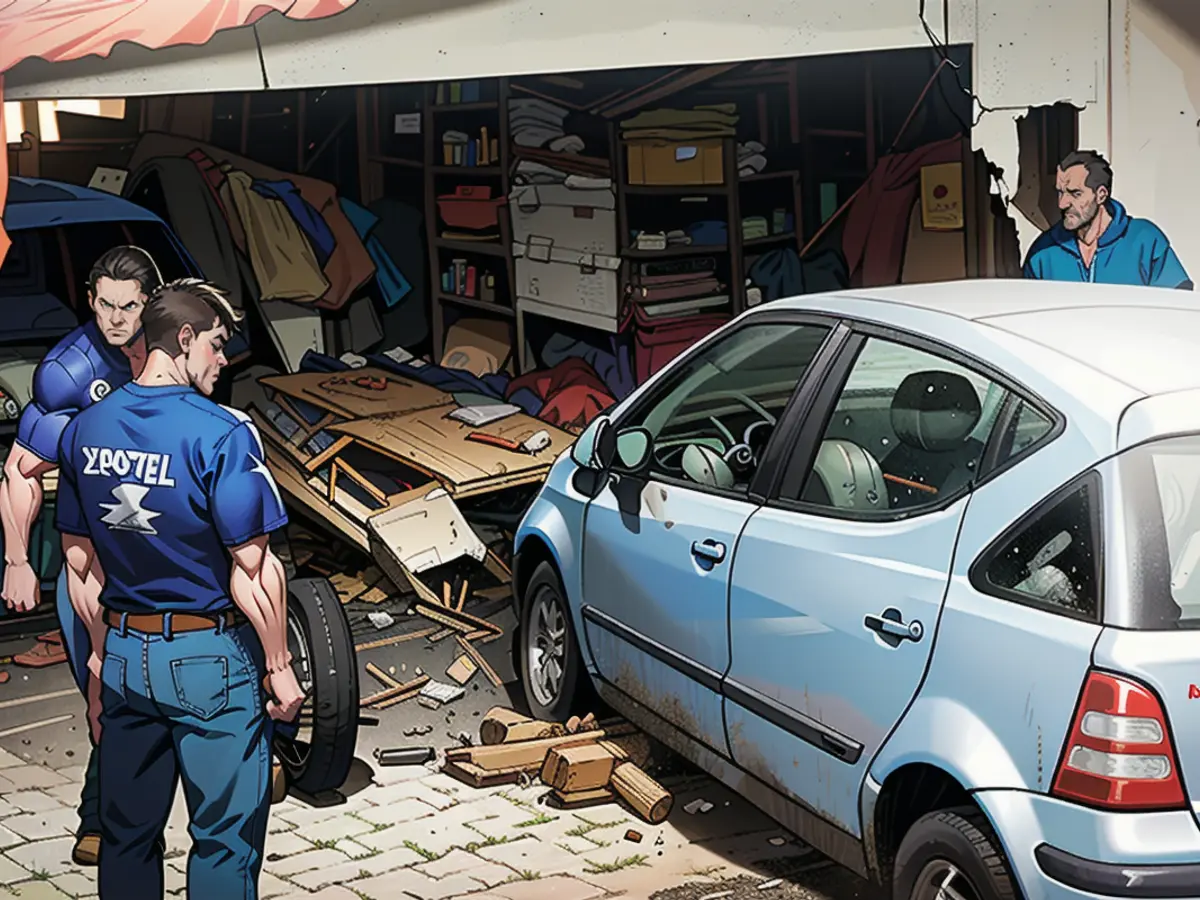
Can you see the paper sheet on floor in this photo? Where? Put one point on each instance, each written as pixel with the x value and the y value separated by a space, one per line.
pixel 427 531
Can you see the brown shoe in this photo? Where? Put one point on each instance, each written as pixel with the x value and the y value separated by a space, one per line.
pixel 279 784
pixel 87 850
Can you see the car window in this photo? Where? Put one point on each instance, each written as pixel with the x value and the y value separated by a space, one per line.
pixel 1026 427
pixel 711 418
pixel 909 429
pixel 1053 560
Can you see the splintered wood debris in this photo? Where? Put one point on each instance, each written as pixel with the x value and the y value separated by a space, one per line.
pixel 583 762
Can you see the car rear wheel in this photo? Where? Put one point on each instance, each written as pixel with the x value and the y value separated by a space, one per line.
pixel 952 855
pixel 552 672
pixel 318 752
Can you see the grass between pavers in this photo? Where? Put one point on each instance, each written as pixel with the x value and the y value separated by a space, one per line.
pixel 523 875
pixel 416 848
pixel 706 872
pixel 616 865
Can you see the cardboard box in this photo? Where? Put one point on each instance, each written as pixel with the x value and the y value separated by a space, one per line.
pixel 676 163
pixel 585 219
pixel 568 283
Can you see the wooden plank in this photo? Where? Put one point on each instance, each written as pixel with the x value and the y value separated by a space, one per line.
pixel 640 97
pixel 495 565
pixel 531 753
pixel 445 593
pixel 328 453
pixel 581 799
pixel 396 571
pixel 336 392
pixel 502 592
pixel 396 639
pixel 462 597
pixel 357 477
pixel 437 616
pixel 463 622
pixel 399 698
pixel 440 635
pixel 429 441
pixel 374 596
pixel 391 693
pixel 382 677
pixel 304 494
pixel 480 661
pixel 473 775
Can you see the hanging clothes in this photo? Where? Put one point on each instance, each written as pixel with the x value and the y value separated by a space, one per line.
pixel 393 286
pixel 320 238
pixel 283 261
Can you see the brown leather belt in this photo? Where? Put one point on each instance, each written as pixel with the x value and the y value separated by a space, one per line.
pixel 156 623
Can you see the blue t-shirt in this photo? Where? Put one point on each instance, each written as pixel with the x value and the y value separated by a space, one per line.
pixel 163 481
pixel 81 369
pixel 1131 251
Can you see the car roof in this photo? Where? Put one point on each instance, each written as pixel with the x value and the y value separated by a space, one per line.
pixel 1146 339
pixel 39 203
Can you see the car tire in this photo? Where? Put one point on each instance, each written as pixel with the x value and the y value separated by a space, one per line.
pixel 324 659
pixel 545 613
pixel 953 843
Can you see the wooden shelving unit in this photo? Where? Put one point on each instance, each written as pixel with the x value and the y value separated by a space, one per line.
pixel 438 174
pixel 731 190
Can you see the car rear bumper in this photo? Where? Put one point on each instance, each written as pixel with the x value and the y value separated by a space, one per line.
pixel 1116 879
pixel 1063 851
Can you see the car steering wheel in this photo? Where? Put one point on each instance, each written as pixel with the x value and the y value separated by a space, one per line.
pixel 743 456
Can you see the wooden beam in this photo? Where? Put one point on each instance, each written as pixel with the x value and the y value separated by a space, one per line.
pixel 329 139
pixel 640 97
pixel 329 453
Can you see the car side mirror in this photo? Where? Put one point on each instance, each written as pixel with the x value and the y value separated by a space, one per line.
pixel 596 448
pixel 633 449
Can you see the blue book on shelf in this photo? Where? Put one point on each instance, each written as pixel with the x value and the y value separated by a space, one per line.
pixel 472 147
pixel 470 92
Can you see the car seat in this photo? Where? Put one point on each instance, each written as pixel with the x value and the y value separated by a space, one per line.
pixel 846 476
pixel 933 414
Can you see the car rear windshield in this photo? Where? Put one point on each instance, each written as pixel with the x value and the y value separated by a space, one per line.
pixel 1159 496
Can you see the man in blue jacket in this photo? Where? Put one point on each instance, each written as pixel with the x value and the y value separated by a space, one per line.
pixel 1097 241
pixel 98 357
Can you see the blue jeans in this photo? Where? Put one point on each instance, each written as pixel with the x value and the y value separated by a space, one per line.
pixel 78 647
pixel 189 705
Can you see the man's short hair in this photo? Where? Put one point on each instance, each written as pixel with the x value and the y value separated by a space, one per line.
pixel 186 301
pixel 1099 172
pixel 126 263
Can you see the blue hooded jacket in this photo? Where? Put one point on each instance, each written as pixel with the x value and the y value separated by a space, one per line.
pixel 1131 251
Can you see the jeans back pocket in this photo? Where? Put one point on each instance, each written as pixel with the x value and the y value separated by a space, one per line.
pixel 201 684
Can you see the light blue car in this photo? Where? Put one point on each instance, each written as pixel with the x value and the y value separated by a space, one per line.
pixel 915 570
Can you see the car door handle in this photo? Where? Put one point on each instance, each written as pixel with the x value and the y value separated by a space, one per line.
pixel 711 550
pixel 890 623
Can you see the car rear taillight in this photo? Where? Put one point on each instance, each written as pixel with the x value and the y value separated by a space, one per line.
pixel 1119 754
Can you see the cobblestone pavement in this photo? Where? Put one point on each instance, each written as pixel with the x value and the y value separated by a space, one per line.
pixel 417 833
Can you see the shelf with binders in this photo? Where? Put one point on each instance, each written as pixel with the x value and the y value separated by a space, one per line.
pixel 472 282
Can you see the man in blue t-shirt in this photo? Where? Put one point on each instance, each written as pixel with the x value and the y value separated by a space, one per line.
pixel 1097 241
pixel 89 362
pixel 165 508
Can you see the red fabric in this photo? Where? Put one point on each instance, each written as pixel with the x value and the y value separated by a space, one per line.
pixel 658 341
pixel 61 30
pixel 572 391
pixel 877 221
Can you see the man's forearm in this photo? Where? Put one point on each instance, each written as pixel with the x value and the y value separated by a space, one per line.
pixel 261 594
pixel 20 501
pixel 84 584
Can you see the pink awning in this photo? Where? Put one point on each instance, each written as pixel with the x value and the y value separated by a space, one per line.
pixel 61 30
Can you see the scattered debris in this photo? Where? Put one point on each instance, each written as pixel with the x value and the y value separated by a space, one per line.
pixel 462 669
pixel 501 725
pixel 773 883
pixel 4 676
pixel 381 620
pixel 441 692
pixel 695 806
pixel 719 895
pixel 404 756
pixel 464 738
pixel 777 841
pixel 634 837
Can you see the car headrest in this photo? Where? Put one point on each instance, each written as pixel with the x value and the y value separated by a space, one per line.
pixel 850 476
pixel 935 410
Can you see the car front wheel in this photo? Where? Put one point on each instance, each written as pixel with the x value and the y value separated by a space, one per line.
pixel 551 665
pixel 952 855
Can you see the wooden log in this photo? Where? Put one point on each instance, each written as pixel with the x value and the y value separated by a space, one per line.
pixel 583 768
pixel 530 754
pixel 645 796
pixel 581 799
pixel 483 664
pixel 501 725
pixel 634 748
